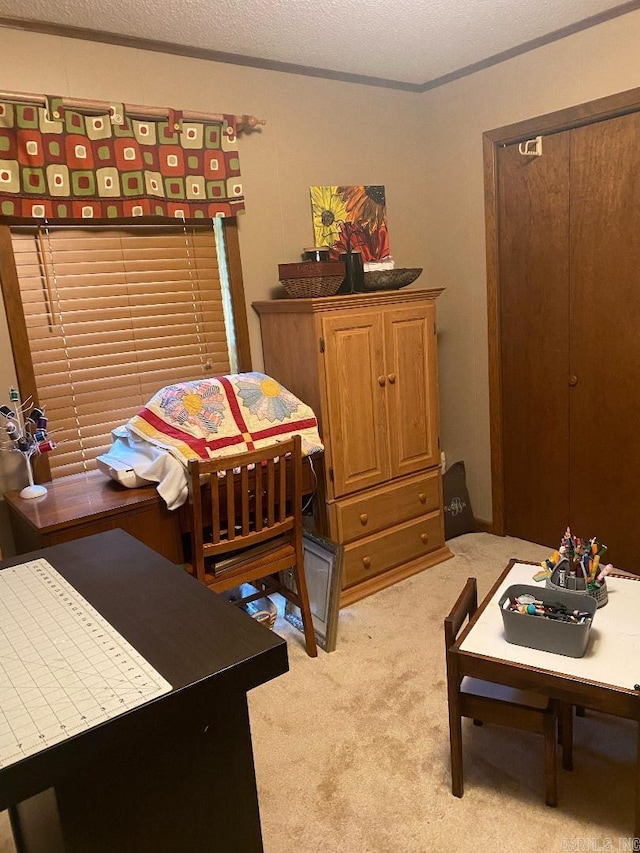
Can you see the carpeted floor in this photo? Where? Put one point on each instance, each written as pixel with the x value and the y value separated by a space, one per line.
pixel 352 751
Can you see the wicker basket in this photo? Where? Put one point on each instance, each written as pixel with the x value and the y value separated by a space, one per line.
pixel 312 279
pixel 309 288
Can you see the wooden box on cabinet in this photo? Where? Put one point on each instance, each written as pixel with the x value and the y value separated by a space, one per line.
pixel 367 365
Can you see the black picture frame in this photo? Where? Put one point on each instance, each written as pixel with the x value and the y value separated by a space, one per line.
pixel 323 562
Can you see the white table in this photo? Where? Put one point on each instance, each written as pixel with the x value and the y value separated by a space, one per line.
pixel 604 679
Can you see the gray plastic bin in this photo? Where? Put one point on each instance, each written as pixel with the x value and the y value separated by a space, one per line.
pixel 539 632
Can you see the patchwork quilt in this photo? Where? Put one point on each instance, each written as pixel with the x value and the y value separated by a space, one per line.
pixel 223 416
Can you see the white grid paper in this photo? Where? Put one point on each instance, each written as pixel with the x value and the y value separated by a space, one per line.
pixel 63 667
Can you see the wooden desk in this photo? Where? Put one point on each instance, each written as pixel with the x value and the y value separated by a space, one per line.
pixel 604 679
pixel 84 504
pixel 176 773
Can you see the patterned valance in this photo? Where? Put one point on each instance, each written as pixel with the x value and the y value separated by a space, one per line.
pixel 59 163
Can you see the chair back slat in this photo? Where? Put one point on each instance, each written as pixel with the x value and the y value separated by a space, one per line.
pixel 282 497
pixel 247 499
pixel 214 493
pixel 463 609
pixel 230 491
pixel 259 497
pixel 270 513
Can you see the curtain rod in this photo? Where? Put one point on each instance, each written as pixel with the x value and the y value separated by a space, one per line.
pixel 243 123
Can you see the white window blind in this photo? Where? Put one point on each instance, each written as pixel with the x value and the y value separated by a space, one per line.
pixel 112 315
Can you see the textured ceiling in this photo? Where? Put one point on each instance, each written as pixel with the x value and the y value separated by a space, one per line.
pixel 409 41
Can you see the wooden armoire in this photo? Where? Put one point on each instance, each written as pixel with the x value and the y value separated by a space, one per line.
pixel 367 365
pixel 566 383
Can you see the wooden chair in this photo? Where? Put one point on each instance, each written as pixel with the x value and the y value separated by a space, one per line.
pixel 484 701
pixel 246 525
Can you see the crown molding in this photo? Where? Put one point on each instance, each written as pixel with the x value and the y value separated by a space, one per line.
pixel 67 31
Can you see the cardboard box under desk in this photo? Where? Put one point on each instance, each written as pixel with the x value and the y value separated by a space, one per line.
pixel 540 632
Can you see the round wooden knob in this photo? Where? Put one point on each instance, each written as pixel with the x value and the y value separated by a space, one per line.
pixel 424 537
pixel 381 380
pixel 392 378
pixel 573 381
pixel 422 498
pixel 366 562
pixel 364 518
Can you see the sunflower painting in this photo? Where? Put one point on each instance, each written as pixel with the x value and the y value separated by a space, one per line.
pixel 348 218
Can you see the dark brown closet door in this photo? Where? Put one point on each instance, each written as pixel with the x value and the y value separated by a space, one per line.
pixel 605 336
pixel 533 198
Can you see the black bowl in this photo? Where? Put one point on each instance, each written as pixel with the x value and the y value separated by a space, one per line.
pixel 390 279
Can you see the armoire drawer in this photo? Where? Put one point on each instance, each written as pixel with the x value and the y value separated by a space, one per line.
pixel 379 509
pixel 401 544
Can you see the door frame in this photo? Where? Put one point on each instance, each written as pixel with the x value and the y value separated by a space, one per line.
pixel 577 116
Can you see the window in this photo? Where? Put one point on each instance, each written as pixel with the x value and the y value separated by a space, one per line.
pixel 102 317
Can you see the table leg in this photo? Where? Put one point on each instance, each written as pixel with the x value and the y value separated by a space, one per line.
pixel 636 828
pixel 455 739
pixel 34 824
pixel 191 786
pixel 566 728
pixel 550 775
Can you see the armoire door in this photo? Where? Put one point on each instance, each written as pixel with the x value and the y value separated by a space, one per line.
pixel 570 310
pixel 412 382
pixel 355 385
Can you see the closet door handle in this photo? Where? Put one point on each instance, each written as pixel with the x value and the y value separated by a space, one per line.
pixel 573 381
pixel 381 380
pixel 392 378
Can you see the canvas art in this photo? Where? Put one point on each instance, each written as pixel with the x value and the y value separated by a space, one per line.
pixel 351 218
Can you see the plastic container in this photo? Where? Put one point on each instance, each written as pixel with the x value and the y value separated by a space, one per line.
pixel 570 582
pixel 261 609
pixel 540 632
pixel 600 595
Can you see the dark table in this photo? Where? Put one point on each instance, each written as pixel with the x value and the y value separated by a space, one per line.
pixel 176 773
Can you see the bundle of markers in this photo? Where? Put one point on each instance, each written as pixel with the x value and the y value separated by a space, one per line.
pixel 560 612
pixel 584 557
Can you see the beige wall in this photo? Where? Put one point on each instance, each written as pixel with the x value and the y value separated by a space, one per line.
pixel 426 149
pixel 317 132
pixel 597 62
